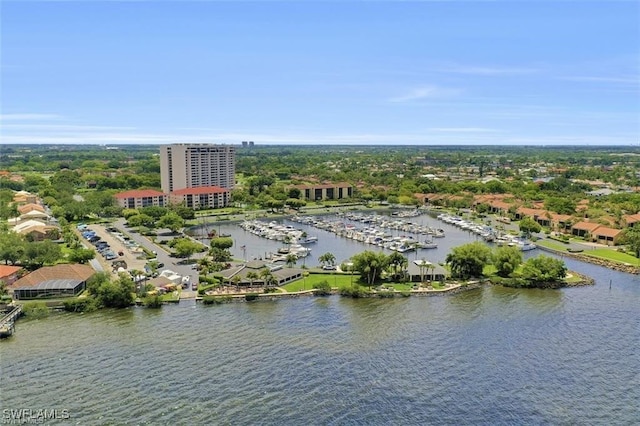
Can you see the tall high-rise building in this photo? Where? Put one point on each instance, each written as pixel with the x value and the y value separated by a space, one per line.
pixel 196 165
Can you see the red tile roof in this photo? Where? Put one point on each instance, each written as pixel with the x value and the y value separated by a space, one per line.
pixel 603 231
pixel 586 226
pixel 200 190
pixel 140 193
pixel 6 270
pixel 63 271
pixel 632 218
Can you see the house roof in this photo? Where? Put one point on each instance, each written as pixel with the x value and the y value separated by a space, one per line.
pixel 279 272
pixel 632 218
pixel 140 193
pixel 6 270
pixel 200 190
pixel 431 268
pixel 560 217
pixel 56 284
pixel 30 207
pixel 30 226
pixel 532 212
pixel 604 231
pixel 56 272
pixel 586 226
pixel 34 214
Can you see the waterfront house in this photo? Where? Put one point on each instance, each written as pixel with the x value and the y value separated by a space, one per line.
pixel 606 235
pixel 63 280
pixel 282 274
pixel 583 228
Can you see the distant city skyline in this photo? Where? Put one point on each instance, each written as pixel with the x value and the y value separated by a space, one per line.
pixel 301 73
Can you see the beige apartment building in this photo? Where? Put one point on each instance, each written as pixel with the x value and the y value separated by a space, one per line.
pixel 196 165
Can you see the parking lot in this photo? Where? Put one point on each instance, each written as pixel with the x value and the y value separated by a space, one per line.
pixel 112 243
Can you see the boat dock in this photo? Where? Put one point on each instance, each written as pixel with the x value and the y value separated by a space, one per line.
pixel 7 323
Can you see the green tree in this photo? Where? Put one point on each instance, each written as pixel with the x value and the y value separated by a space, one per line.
pixel 370 265
pixel 12 247
pixel 295 203
pixel 185 248
pixel 171 221
pixel 398 264
pixel 291 260
pixel 528 226
pixel 631 238
pixel 543 269
pixel 184 212
pixel 468 260
pixel 81 255
pixel 506 259
pixel 94 283
pixel 252 276
pixel 219 255
pixel 40 253
pixel 119 293
pixel 222 243
pixel 155 212
pixel 141 220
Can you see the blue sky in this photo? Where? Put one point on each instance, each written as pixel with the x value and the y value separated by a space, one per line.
pixel 333 72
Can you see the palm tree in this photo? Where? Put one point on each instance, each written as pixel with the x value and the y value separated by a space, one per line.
pixel 291 260
pixel 236 281
pixel 398 263
pixel 422 265
pixel 266 275
pixel 252 276
pixel 431 267
pixel 327 259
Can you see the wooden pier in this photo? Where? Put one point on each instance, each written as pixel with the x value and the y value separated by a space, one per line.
pixel 7 323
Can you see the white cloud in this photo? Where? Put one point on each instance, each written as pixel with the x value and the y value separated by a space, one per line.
pixel 425 92
pixel 463 130
pixel 488 71
pixel 29 117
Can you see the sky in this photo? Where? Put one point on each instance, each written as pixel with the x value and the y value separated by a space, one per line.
pixel 512 72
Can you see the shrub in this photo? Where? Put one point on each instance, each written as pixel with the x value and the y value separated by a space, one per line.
pixel 152 301
pixel 216 300
pixel 354 291
pixel 323 288
pixel 85 304
pixel 386 294
pixel 405 293
pixel 35 310
pixel 249 297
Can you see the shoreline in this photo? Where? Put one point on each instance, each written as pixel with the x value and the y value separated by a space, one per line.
pixel 609 264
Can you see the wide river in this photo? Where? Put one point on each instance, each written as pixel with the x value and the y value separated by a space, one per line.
pixel 487 356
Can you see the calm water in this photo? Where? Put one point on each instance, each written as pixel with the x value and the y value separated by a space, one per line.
pixel 488 356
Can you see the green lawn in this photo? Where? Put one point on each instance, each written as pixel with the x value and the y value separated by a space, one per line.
pixel 554 245
pixel 572 279
pixel 335 280
pixel 614 255
pixel 170 297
